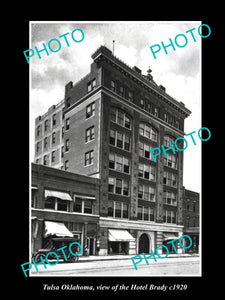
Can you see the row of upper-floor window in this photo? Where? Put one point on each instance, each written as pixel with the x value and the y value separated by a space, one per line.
pixel 121 186
pixel 90 111
pixel 120 210
pixel 123 119
pixel 123 141
pixel 80 205
pixel 145 104
pixel 119 117
pixel 49 123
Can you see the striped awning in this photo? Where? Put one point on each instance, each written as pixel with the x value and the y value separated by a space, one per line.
pixel 120 236
pixel 56 229
pixel 57 194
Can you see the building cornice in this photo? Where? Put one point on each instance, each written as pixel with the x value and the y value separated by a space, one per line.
pixel 105 54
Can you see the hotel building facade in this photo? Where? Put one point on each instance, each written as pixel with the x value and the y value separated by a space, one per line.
pixel 106 125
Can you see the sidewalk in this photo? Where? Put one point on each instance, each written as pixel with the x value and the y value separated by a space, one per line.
pixel 117 257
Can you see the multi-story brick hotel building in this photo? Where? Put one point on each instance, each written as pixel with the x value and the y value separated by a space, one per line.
pixel 105 128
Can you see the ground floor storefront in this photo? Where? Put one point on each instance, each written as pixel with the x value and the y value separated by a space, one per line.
pixel 48 225
pixel 106 236
pixel 118 237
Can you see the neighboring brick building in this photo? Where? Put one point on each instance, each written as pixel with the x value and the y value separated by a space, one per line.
pixel 67 198
pixel 112 118
pixel 191 212
pixel 49 130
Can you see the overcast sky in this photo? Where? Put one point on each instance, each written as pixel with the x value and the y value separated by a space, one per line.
pixel 178 71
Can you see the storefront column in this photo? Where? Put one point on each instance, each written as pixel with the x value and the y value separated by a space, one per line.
pixel 180 250
pixel 159 241
pixel 85 225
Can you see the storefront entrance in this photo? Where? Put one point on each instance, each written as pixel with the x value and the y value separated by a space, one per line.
pixel 118 247
pixel 144 243
pixel 91 245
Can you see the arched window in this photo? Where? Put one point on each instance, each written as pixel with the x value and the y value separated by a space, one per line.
pixel 148 131
pixel 120 117
pixel 167 139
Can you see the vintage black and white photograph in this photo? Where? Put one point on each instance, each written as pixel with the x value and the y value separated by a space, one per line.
pixel 115 148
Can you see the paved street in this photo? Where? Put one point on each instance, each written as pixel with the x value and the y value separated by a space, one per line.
pixel 174 266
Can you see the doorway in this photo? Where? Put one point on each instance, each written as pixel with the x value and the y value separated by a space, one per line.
pixel 91 245
pixel 144 243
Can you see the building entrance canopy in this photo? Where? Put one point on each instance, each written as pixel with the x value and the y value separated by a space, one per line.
pixel 120 236
pixel 56 229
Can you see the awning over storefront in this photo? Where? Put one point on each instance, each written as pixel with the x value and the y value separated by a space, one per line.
pixel 60 195
pixel 169 236
pixel 120 236
pixel 56 229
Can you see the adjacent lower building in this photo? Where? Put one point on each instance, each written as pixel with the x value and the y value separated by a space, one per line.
pixel 110 119
pixel 191 213
pixel 66 199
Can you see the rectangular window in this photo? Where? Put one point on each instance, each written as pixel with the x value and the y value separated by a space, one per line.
pixel 170 179
pixel 111 160
pixel 117 209
pixel 130 96
pixel 91 85
pixel 126 167
pixel 38 130
pixel 112 137
pixel 89 158
pixel 78 205
pixel 141 149
pixel 111 184
pixel 140 191
pixel 67 123
pixel 113 86
pixel 66 164
pixel 125 211
pixel 62 205
pixel 45 160
pixel 125 187
pixel 145 213
pixel 68 102
pixel 53 156
pixel 90 110
pixel 126 142
pixel 127 122
pixel 139 213
pixel 87 206
pixel 156 111
pixel 119 163
pixel 118 186
pixel 142 103
pixel 90 134
pixel 169 216
pixel 169 198
pixel 38 147
pixel 46 125
pixel 67 145
pixel 54 120
pixel 122 91
pixel 110 208
pixel 147 151
pixel 119 140
pixel 152 214
pixel 45 142
pixel 53 138
pixel 50 203
pixel 113 114
pixel 141 170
